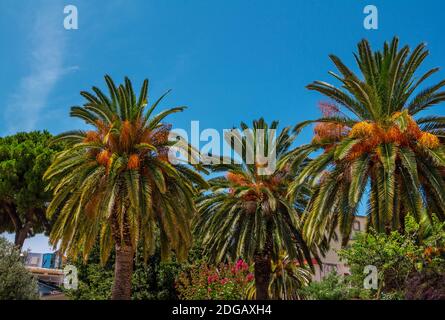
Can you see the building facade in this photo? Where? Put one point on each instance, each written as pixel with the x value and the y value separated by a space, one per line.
pixel 331 261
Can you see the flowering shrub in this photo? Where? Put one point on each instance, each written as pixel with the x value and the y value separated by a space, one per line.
pixel 223 282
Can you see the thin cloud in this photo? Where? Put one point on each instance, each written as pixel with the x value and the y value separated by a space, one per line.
pixel 45 55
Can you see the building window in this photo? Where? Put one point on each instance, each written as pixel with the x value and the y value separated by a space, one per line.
pixel 356 226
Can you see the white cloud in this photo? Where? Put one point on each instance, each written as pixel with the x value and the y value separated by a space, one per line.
pixel 45 58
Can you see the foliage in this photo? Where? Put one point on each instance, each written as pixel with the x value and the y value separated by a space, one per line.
pixel 428 280
pixel 95 282
pixel 223 282
pixel 155 280
pixel 24 157
pixel 123 178
pixel 152 280
pixel 391 254
pixel 402 260
pixel 246 213
pixel 244 201
pixel 16 283
pixel 287 278
pixel 95 279
pixel 375 143
pixel 331 287
pixel 119 182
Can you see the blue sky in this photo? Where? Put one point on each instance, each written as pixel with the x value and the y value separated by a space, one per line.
pixel 227 60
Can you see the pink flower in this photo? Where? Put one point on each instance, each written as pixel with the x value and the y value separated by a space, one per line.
pixel 250 277
pixel 241 265
pixel 224 281
pixel 211 279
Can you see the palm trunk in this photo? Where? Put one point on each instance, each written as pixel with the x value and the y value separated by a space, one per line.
pixel 123 265
pixel 123 271
pixel 263 267
pixel 262 277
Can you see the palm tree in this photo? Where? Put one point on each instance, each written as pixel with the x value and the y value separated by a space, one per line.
pixel 116 183
pixel 374 143
pixel 246 214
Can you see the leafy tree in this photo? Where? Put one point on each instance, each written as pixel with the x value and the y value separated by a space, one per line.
pixel 247 214
pixel 24 157
pixel 16 283
pixel 116 182
pixel 374 143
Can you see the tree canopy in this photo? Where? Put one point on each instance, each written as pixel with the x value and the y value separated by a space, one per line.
pixel 24 157
pixel 375 142
pixel 116 182
pixel 247 214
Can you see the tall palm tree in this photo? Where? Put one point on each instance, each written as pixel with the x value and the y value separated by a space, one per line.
pixel 246 214
pixel 374 143
pixel 116 183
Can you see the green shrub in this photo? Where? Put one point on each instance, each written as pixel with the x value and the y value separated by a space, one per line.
pixel 398 258
pixel 331 287
pixel 16 283
pixel 390 254
pixel 152 279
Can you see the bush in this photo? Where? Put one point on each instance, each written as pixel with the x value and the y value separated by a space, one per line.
pixel 95 282
pixel 391 254
pixel 16 283
pixel 331 287
pixel 410 265
pixel 224 282
pixel 154 280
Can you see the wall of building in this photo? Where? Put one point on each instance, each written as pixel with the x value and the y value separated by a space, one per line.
pixel 331 261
